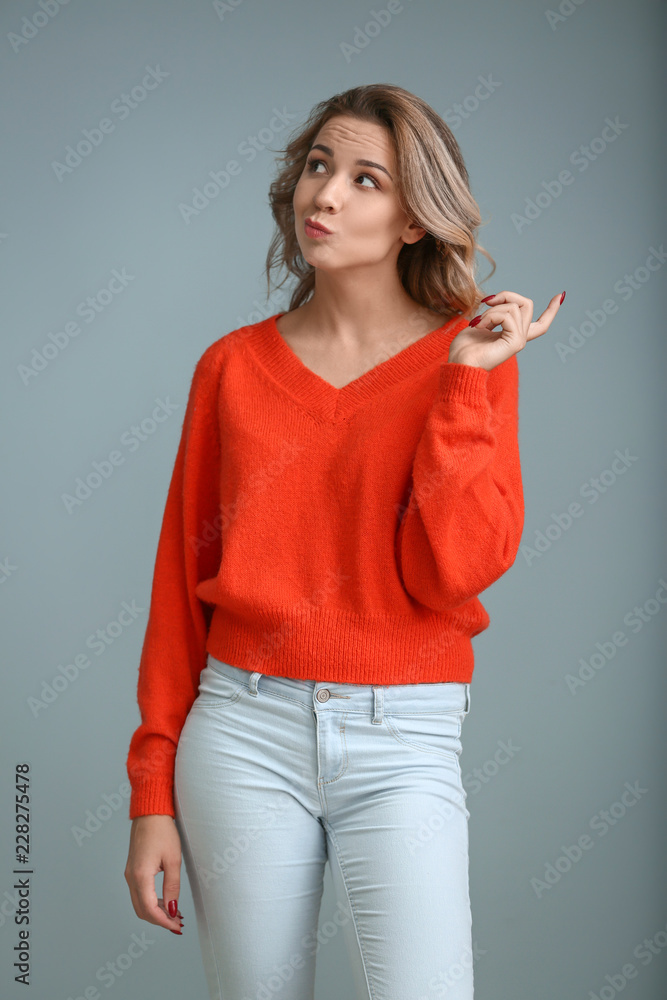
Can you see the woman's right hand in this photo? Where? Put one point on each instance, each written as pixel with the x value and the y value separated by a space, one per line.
pixel 155 846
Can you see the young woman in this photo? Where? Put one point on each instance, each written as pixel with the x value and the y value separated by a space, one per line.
pixel 347 482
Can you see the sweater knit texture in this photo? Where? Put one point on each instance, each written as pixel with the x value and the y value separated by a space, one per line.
pixel 323 533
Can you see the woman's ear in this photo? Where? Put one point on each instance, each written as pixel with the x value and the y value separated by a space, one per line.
pixel 413 233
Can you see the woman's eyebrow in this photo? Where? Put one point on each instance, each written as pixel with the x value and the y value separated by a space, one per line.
pixel 361 163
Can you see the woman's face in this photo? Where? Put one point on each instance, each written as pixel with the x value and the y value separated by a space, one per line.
pixel 358 202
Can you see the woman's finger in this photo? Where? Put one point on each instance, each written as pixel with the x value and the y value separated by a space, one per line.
pixel 542 324
pixel 508 317
pixel 525 305
pixel 508 296
pixel 147 904
pixel 498 315
pixel 505 309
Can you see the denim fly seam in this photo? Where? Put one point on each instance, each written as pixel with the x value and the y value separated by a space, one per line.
pixel 355 918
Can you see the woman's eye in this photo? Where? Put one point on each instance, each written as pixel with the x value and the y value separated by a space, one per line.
pixel 313 163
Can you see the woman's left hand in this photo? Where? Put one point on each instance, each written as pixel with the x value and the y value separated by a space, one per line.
pixel 481 347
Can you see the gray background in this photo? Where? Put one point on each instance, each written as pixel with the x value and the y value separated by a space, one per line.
pixel 66 574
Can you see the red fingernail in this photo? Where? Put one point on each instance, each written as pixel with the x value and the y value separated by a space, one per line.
pixel 486 299
pixel 176 932
pixel 173 908
pixel 562 297
pixel 475 321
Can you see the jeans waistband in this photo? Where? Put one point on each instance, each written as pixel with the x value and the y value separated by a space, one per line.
pixel 404 699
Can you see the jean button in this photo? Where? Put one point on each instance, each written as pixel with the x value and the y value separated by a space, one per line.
pixel 323 694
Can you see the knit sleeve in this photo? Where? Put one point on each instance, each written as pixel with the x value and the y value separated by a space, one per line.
pixel 174 647
pixel 462 526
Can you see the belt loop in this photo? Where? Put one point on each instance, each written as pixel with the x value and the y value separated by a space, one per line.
pixel 467 698
pixel 378 704
pixel 253 682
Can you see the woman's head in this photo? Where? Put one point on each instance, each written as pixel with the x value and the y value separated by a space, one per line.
pixel 421 214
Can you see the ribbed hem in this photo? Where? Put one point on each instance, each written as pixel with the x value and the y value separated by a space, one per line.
pixel 346 648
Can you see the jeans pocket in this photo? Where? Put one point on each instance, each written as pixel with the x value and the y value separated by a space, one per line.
pixel 216 688
pixel 429 732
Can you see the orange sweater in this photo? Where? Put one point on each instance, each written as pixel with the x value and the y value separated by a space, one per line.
pixel 322 533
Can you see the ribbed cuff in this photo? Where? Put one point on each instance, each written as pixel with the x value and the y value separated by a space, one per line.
pixel 155 797
pixel 464 383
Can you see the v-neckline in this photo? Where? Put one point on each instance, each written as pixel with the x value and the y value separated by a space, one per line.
pixel 325 399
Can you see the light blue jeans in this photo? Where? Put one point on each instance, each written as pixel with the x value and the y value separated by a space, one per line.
pixel 274 776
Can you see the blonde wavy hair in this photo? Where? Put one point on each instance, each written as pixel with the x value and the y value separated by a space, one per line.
pixel 433 186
